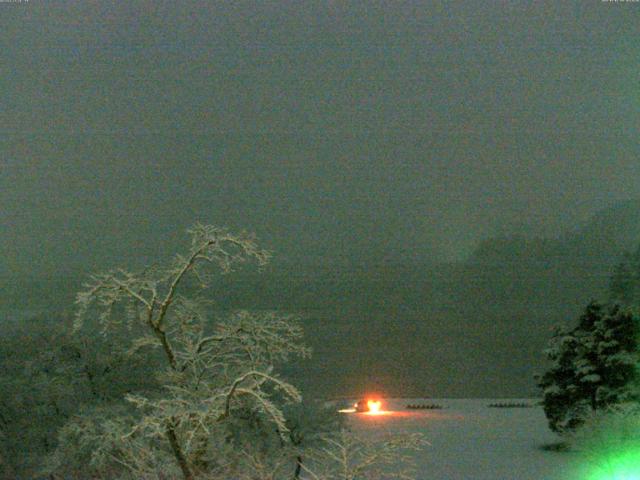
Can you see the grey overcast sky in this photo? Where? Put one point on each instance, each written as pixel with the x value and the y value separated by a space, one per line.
pixel 340 132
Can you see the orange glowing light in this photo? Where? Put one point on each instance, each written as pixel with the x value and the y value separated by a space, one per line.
pixel 374 406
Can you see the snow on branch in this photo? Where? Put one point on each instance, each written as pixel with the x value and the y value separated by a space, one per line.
pixel 215 369
pixel 349 456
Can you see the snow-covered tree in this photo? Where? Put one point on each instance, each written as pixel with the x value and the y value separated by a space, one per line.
pixel 215 409
pixel 310 423
pixel 594 366
pixel 617 344
pixel 214 375
pixel 563 405
pixel 47 373
pixel 350 456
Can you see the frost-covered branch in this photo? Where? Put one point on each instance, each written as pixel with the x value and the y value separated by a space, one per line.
pixel 217 370
pixel 349 456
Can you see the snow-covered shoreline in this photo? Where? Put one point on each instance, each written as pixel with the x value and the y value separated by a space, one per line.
pixel 471 441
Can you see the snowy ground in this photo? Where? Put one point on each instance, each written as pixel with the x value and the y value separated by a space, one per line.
pixel 472 442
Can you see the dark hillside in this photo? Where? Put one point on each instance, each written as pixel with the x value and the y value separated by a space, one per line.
pixel 475 328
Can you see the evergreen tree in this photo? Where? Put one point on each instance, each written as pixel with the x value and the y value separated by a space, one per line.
pixel 594 366
pixel 616 355
pixel 566 399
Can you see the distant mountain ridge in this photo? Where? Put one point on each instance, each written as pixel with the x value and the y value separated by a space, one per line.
pixel 603 239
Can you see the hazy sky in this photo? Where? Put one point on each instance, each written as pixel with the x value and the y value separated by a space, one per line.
pixel 377 131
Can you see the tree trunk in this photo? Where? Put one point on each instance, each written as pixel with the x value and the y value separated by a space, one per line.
pixel 167 348
pixel 296 474
pixel 178 453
